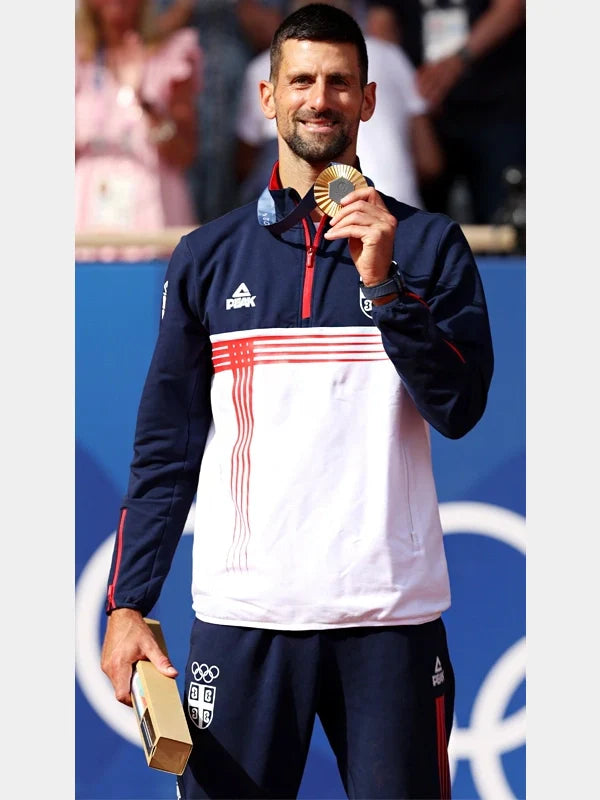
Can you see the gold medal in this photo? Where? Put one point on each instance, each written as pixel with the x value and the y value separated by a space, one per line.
pixel 334 183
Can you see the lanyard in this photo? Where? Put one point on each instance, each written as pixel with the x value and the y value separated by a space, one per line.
pixel 332 184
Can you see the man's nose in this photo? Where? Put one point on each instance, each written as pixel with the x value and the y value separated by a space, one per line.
pixel 318 98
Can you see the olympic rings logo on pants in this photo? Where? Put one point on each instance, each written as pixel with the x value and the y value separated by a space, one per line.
pixel 202 672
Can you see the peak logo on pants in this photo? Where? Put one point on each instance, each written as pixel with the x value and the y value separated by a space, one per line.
pixel 438 674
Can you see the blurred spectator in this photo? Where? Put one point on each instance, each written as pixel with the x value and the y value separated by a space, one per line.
pixel 230 33
pixel 135 125
pixel 396 147
pixel 470 56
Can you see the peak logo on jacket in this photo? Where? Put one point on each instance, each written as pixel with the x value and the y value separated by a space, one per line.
pixel 241 298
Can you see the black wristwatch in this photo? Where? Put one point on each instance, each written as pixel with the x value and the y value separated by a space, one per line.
pixel 391 285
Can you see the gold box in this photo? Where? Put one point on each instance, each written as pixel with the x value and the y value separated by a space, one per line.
pixel 159 713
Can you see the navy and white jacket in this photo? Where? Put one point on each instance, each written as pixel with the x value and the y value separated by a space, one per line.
pixel 300 416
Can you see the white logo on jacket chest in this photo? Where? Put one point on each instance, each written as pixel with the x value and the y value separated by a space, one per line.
pixel 241 298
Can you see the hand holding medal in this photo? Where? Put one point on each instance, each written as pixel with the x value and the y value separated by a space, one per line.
pixel 360 215
pixel 335 183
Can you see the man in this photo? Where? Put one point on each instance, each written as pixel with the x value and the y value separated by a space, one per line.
pixel 398 145
pixel 298 364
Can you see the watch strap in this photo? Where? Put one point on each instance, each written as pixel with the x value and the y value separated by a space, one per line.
pixel 393 284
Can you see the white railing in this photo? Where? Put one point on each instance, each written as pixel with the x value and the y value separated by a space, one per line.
pixel 481 238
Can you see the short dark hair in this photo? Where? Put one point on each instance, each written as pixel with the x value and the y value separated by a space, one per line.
pixel 320 22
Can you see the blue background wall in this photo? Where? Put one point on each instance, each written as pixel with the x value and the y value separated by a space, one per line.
pixel 481 487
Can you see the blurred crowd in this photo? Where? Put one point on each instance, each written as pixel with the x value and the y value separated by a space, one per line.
pixel 169 130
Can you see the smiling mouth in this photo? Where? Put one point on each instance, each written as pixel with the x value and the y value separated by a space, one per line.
pixel 319 125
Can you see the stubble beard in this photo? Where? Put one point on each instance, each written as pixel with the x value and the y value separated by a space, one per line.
pixel 315 152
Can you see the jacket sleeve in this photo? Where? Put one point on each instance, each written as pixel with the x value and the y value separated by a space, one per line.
pixel 173 420
pixel 438 338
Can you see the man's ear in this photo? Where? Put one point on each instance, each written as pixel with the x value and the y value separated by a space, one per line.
pixel 368 103
pixel 267 98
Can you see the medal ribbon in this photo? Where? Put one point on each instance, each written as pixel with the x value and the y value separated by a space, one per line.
pixel 267 214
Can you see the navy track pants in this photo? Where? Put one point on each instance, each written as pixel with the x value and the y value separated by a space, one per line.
pixel 384 695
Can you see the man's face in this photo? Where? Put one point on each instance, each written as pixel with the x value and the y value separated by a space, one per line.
pixel 317 99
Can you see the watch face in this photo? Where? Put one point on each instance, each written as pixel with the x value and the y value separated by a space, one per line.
pixel 334 183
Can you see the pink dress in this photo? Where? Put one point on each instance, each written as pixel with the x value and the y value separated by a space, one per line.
pixel 121 184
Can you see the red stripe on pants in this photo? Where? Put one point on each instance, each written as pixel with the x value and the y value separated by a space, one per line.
pixel 442 749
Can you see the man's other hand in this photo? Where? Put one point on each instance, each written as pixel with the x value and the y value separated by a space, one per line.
pixel 128 640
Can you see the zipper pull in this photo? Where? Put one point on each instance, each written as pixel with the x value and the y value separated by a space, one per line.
pixel 311 257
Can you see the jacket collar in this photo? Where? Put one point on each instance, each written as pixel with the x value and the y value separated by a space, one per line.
pixel 276 202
